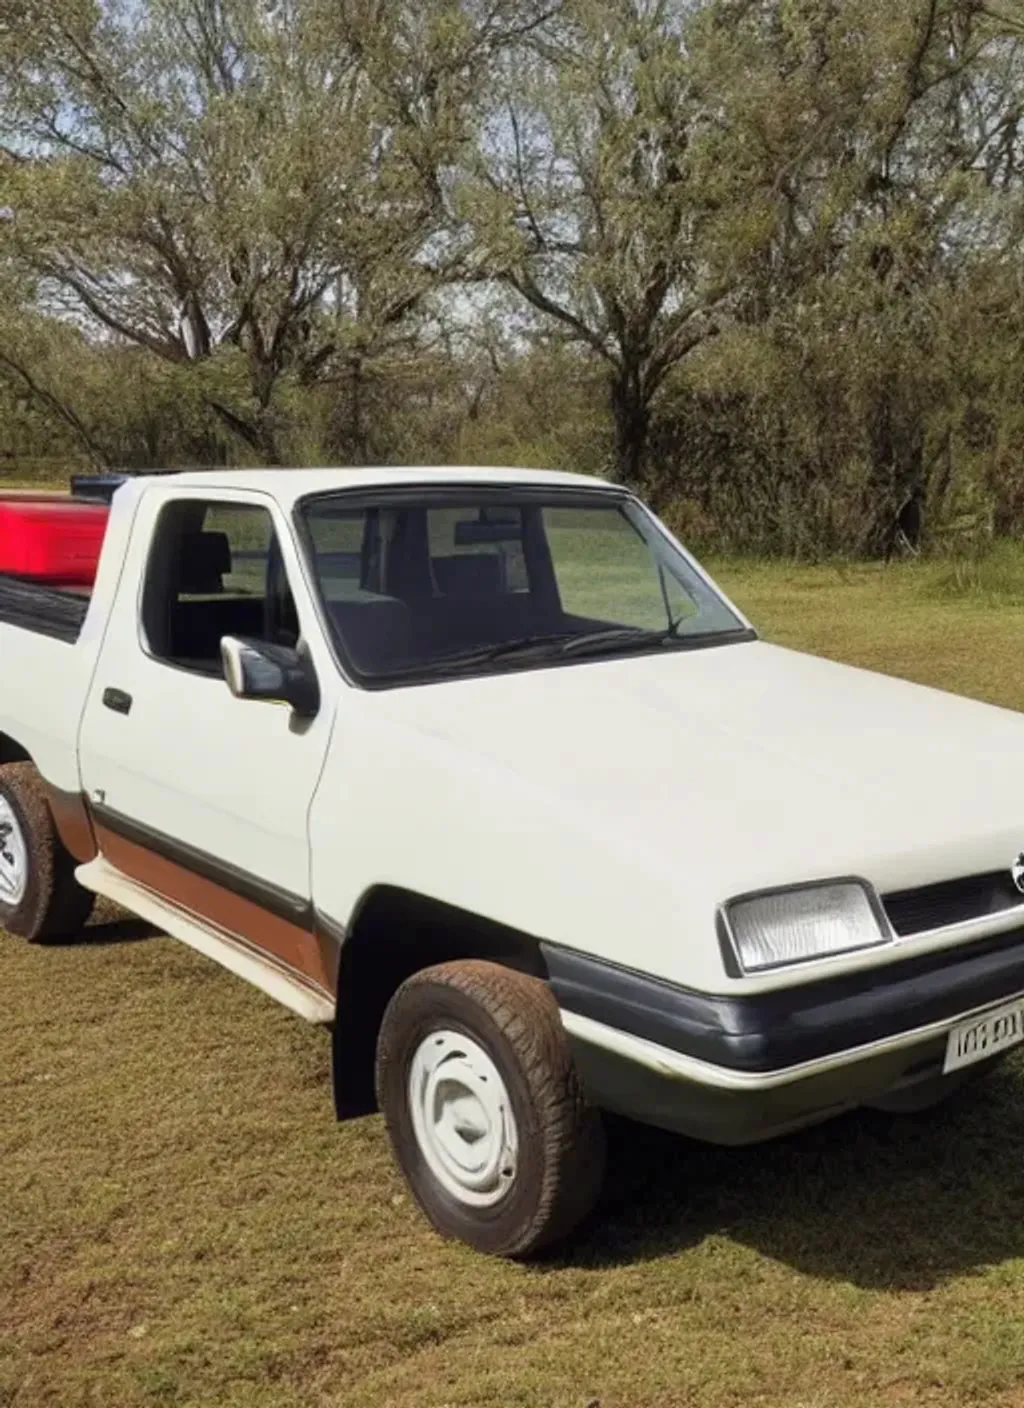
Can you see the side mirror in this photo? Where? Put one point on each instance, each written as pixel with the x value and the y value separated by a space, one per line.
pixel 255 669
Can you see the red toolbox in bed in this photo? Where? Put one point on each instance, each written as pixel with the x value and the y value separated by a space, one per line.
pixel 51 540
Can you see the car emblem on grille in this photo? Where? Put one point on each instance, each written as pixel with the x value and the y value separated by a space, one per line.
pixel 1017 871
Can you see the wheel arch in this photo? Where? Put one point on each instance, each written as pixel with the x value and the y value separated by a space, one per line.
pixel 394 933
pixel 11 751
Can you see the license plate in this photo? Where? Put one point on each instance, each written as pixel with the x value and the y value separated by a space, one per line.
pixel 997 1031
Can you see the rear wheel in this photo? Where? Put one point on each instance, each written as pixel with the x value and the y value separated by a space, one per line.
pixel 39 895
pixel 484 1110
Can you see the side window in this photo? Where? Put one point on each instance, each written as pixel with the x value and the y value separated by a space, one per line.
pixel 214 570
pixel 247 532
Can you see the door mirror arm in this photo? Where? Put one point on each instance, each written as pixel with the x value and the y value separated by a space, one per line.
pixel 257 669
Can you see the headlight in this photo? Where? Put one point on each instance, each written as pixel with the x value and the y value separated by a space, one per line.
pixel 795 926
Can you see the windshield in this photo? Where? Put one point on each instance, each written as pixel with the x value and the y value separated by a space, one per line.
pixel 433 583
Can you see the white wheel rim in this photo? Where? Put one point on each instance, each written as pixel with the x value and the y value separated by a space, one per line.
pixel 13 856
pixel 462 1118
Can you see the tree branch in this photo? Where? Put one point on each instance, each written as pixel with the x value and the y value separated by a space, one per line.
pixel 244 429
pixel 170 349
pixel 525 285
pixel 59 408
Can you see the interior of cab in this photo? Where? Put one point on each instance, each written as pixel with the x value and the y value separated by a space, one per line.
pixel 422 583
pixel 205 582
pixel 408 584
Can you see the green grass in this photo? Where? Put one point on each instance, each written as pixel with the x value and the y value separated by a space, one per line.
pixel 954 626
pixel 181 1222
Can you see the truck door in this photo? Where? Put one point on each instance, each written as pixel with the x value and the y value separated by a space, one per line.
pixel 201 796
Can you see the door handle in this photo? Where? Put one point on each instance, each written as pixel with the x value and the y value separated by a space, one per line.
pixel 118 700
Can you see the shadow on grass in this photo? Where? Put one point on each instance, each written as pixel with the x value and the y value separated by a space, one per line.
pixel 114 931
pixel 903 1202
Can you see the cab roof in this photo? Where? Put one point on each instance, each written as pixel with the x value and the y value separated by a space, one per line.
pixel 288 485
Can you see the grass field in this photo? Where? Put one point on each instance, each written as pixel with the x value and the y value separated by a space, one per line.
pixel 182 1223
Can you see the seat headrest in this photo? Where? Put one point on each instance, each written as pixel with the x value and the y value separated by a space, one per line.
pixel 469 574
pixel 205 557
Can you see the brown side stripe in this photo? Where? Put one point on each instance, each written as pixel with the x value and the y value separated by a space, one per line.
pixel 291 944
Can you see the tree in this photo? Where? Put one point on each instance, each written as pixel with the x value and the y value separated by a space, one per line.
pixel 660 169
pixel 873 133
pixel 255 189
pixel 593 198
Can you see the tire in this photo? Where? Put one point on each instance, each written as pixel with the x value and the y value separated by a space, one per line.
pixel 501 1063
pixel 40 898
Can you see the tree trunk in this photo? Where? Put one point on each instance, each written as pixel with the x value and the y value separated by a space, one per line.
pixel 270 450
pixel 357 448
pixel 897 480
pixel 632 416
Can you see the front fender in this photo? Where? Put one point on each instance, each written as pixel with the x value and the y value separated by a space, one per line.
pixel 408 810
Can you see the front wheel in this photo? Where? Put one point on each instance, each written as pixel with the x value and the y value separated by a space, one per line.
pixel 39 895
pixel 484 1110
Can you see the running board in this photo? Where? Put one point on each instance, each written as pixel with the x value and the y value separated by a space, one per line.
pixel 104 879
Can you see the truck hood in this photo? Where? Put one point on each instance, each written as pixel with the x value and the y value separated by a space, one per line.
pixel 746 765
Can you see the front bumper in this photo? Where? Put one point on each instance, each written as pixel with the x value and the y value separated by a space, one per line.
pixel 736 1070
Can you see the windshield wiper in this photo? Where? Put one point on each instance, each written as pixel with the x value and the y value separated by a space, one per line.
pixel 563 643
pixel 614 637
pixel 498 650
pixel 559 644
pixel 618 638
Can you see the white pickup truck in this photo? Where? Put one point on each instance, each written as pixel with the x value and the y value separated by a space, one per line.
pixel 478 769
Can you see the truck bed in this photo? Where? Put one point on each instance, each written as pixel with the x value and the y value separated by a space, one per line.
pixel 47 611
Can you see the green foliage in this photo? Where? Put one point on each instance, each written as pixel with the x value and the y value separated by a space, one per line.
pixel 232 181
pixel 757 258
pixel 596 200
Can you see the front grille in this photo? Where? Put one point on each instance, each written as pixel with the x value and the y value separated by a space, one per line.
pixel 951 902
